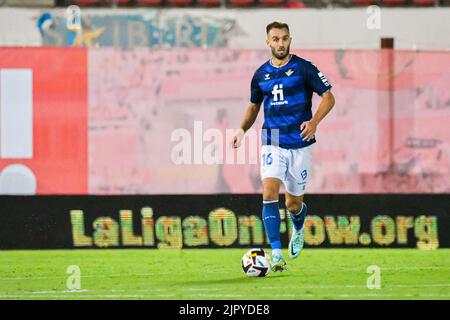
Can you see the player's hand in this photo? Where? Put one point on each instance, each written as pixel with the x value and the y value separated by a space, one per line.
pixel 237 139
pixel 308 129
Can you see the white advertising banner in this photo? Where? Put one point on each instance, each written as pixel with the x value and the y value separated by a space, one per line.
pixel 356 28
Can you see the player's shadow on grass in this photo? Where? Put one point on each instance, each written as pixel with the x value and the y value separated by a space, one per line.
pixel 241 279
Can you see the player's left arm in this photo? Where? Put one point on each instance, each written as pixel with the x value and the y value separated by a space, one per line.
pixel 308 128
pixel 320 85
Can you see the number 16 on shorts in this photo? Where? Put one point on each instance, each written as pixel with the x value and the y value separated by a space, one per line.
pixel 267 159
pixel 270 163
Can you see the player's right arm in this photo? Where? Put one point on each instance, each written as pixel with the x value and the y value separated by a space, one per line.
pixel 249 119
pixel 256 99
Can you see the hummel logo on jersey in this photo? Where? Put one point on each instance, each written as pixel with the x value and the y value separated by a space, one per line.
pixel 324 80
pixel 267 76
pixel 289 72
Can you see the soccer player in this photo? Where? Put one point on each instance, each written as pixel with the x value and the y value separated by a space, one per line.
pixel 285 84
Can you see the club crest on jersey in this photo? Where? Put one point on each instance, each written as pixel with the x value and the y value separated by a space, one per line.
pixel 289 72
pixel 267 76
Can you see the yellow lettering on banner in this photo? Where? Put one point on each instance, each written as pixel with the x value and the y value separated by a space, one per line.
pixel 168 231
pixel 106 232
pixel 250 224
pixel 314 230
pixel 343 231
pixel 195 231
pixel 222 227
pixel 383 230
pixel 126 223
pixel 148 235
pixel 283 215
pixel 78 235
pixel 403 224
pixel 426 232
pixel 289 225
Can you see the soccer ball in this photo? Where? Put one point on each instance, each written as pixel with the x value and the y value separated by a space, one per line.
pixel 256 263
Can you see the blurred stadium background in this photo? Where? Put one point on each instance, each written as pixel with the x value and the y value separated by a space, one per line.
pixel 90 98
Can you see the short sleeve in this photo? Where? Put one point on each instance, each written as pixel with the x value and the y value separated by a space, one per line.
pixel 256 94
pixel 316 80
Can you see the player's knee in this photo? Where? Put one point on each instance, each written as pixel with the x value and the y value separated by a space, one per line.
pixel 270 193
pixel 293 205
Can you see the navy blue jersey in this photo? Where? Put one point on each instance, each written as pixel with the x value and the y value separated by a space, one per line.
pixel 287 92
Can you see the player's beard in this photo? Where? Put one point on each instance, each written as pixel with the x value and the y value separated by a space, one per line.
pixel 281 56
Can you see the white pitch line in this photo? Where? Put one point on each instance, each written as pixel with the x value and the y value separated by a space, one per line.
pixel 88 276
pixel 363 286
pixel 208 272
pixel 403 268
pixel 107 275
pixel 63 291
pixel 72 292
pixel 88 296
pixel 228 295
pixel 55 292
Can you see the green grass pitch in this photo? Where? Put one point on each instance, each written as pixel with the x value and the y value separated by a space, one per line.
pixel 216 274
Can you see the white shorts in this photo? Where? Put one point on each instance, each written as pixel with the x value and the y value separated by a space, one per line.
pixel 291 166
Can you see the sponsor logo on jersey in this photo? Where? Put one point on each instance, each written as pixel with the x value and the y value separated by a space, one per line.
pixel 304 174
pixel 324 80
pixel 278 95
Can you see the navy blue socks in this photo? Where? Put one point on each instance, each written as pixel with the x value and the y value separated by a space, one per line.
pixel 299 218
pixel 272 221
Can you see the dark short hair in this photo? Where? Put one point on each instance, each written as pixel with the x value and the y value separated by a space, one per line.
pixel 276 25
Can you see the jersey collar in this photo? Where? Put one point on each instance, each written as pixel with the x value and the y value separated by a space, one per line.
pixel 287 62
